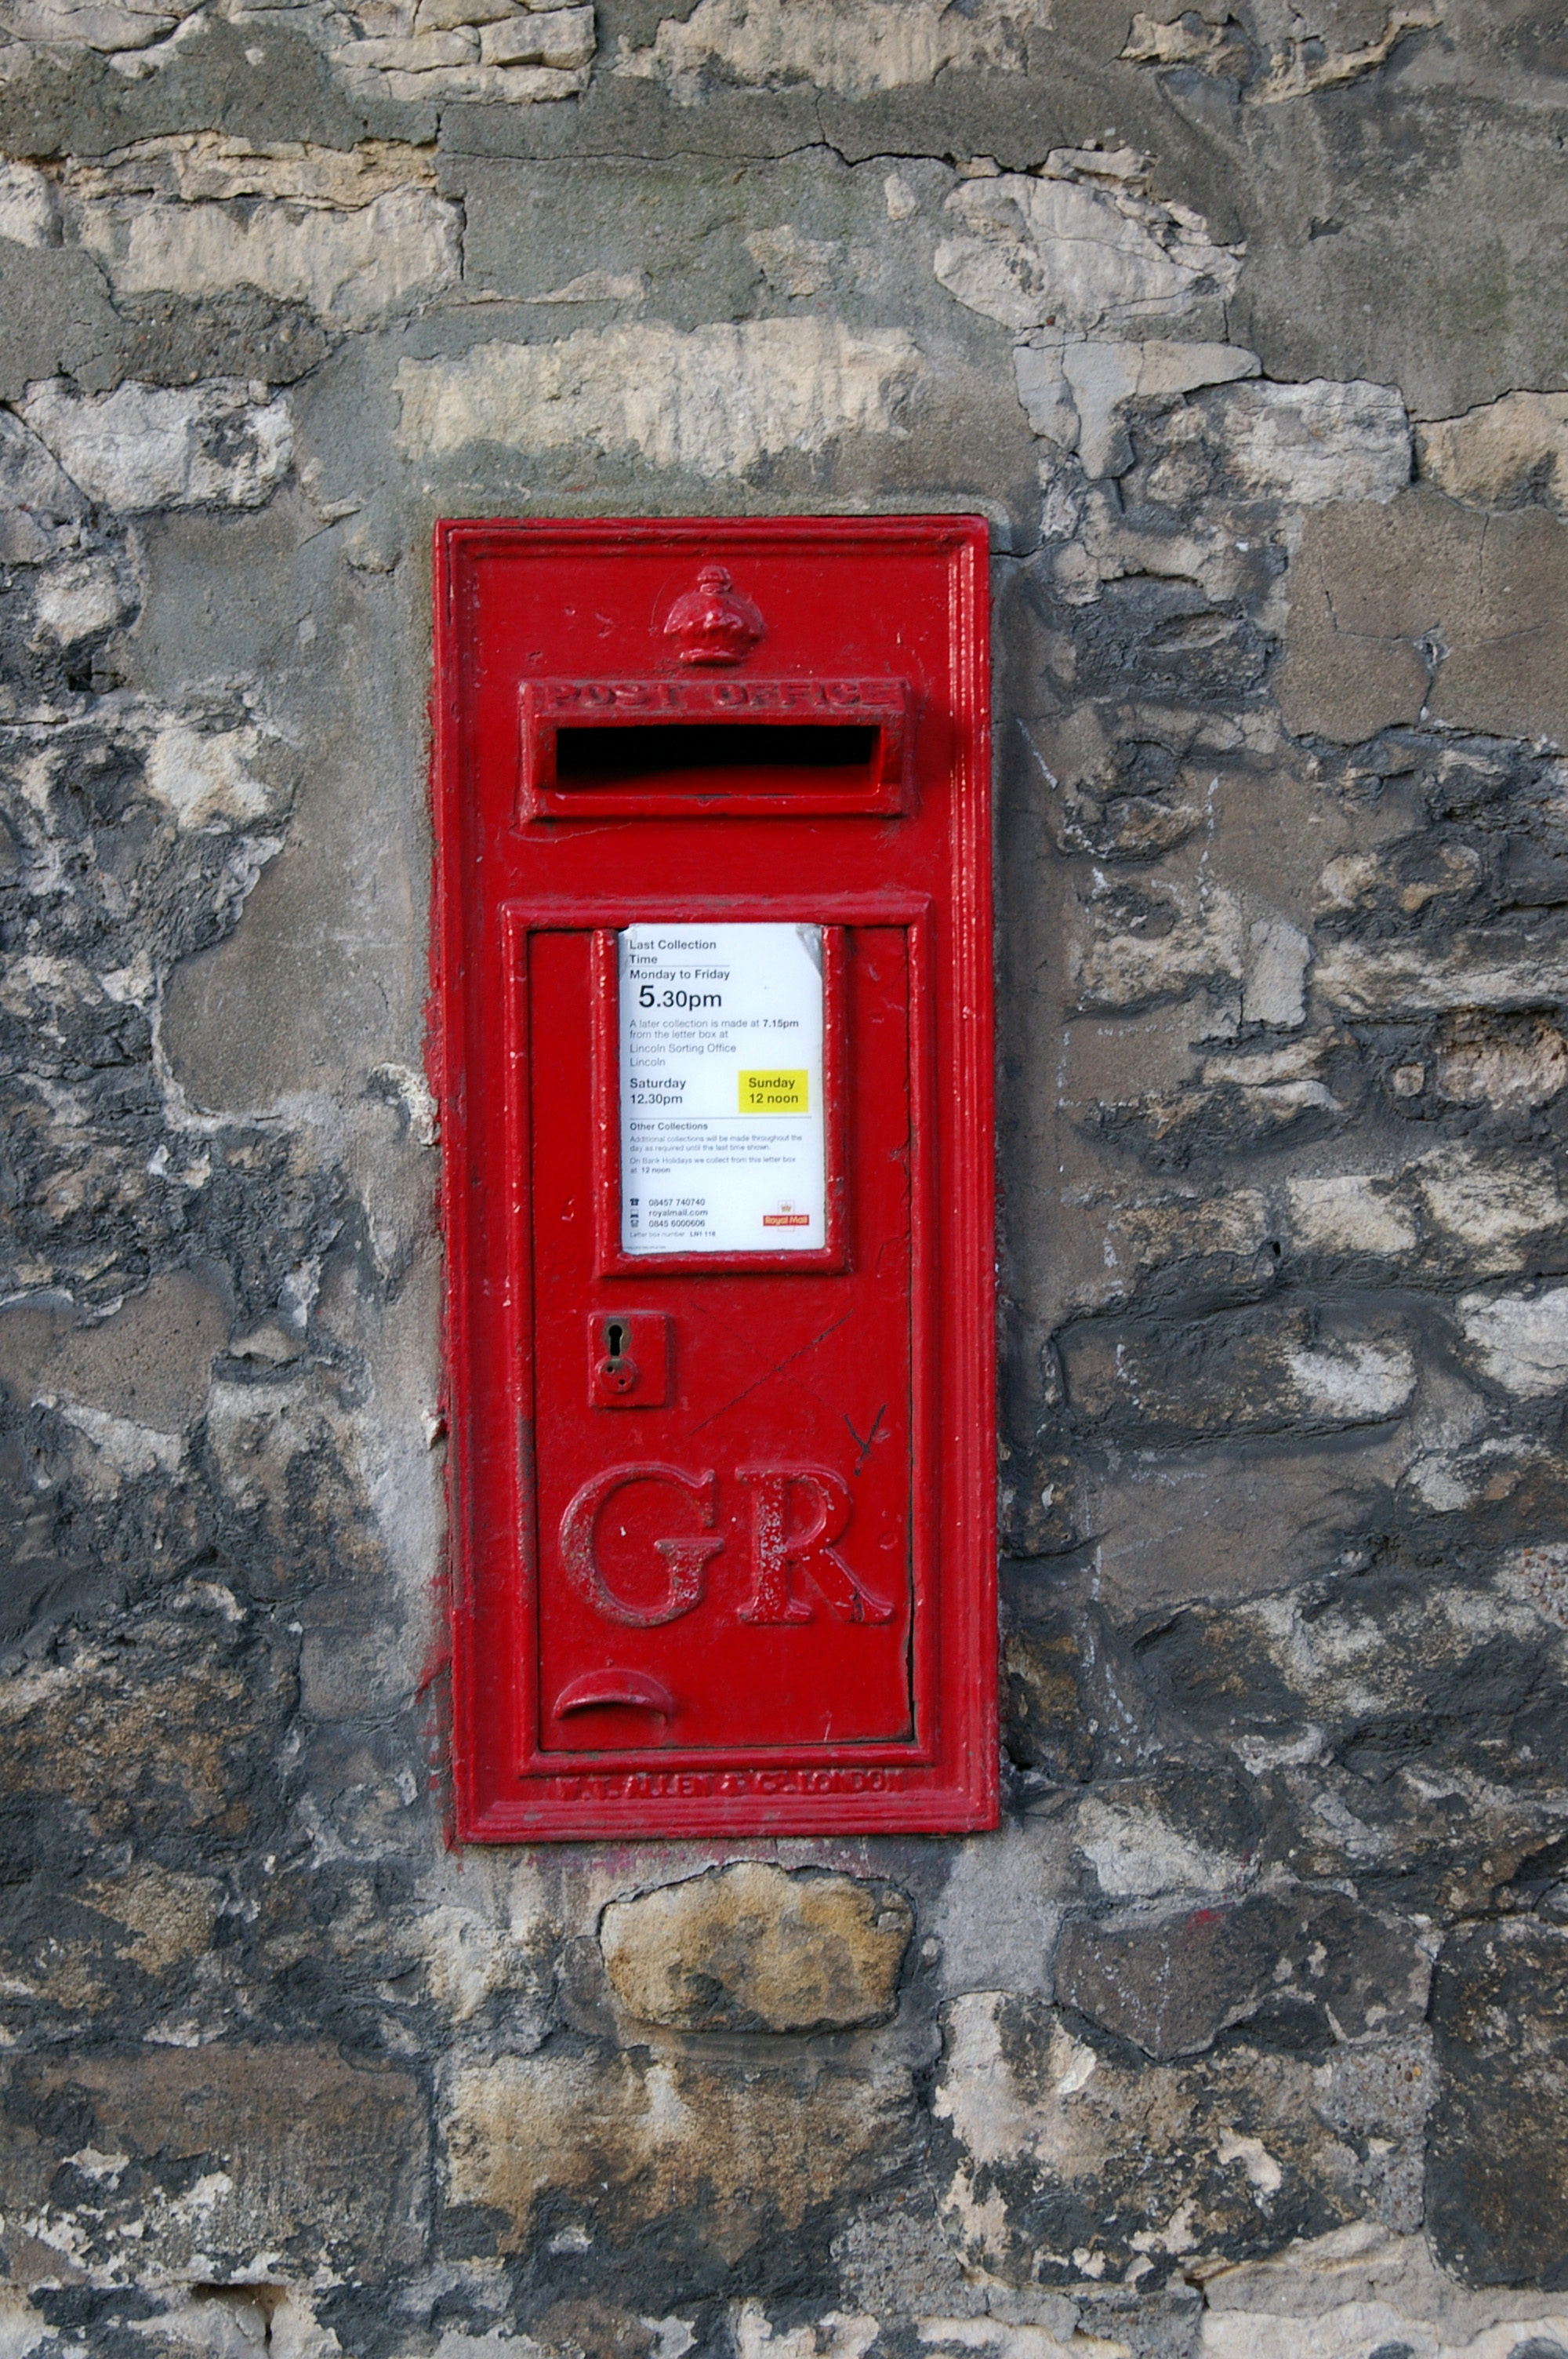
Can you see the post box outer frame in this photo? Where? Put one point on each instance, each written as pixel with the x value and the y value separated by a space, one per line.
pixel 955 1788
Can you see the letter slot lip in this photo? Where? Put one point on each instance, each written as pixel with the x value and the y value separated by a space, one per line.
pixel 595 749
pixel 596 1690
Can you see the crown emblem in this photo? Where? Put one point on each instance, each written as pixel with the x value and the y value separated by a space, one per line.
pixel 713 624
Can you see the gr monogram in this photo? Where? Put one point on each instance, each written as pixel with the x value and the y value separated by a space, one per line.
pixel 796 1513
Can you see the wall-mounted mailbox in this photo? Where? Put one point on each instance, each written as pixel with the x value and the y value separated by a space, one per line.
pixel 711 958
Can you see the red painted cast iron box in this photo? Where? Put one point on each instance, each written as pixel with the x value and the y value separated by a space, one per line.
pixel 712 1040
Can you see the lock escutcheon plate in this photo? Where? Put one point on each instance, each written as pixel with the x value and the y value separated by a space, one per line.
pixel 628 1359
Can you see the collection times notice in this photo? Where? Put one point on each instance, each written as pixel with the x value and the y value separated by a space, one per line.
pixel 721 1130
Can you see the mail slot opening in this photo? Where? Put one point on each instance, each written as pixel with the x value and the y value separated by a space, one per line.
pixel 664 749
pixel 599 749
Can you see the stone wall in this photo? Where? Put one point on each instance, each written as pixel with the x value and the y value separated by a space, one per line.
pixel 1249 2030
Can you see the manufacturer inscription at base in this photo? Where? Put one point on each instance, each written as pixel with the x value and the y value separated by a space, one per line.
pixel 644 1784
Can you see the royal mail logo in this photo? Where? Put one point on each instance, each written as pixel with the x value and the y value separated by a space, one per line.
pixel 786 1217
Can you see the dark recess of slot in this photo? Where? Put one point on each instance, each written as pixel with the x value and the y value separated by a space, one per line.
pixel 655 749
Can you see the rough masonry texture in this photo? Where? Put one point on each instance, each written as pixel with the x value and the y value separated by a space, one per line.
pixel 1248 2031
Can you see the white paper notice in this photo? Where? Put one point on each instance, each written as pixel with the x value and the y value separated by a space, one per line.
pixel 722 1132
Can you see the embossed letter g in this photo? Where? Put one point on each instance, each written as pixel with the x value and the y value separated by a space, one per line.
pixel 687 1556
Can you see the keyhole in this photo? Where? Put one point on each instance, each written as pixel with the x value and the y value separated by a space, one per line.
pixel 615 1337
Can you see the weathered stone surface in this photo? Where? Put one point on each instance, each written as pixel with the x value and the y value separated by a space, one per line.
pixel 1498 2167
pixel 236 2321
pixel 1080 244
pixel 1046 1722
pixel 149 447
pixel 1367 585
pixel 1221 1233
pixel 1310 443
pixel 515 85
pixel 60 311
pixel 36 497
pixel 715 401
pixel 212 167
pixel 149 1364
pixel 154 1738
pixel 1306 445
pixel 1504 668
pixel 349 266
pixel 1506 1066
pixel 201 2162
pixel 178 339
pixel 1390 292
pixel 548 36
pixel 1317 1967
pixel 1301 65
pixel 1263 1679
pixel 775 46
pixel 671 238
pixel 1257 1372
pixel 381 33
pixel 1139 1839
pixel 207 777
pixel 1360 2285
pixel 754 1948
pixel 31 479
pixel 1069 2161
pixel 1348 1214
pixel 29 209
pixel 1246 1520
pixel 1506 454
pixel 1158 942
pixel 166 1916
pixel 1274 978
pixel 1520 1340
pixel 1072 392
pixel 101 26
pixel 348 236
pixel 623 2141
pixel 136 1944
pixel 1421 603
pixel 1477 968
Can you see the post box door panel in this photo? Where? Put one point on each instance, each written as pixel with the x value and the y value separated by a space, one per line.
pixel 711 1041
pixel 729 1565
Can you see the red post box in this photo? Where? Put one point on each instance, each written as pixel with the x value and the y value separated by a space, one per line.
pixel 712 1040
